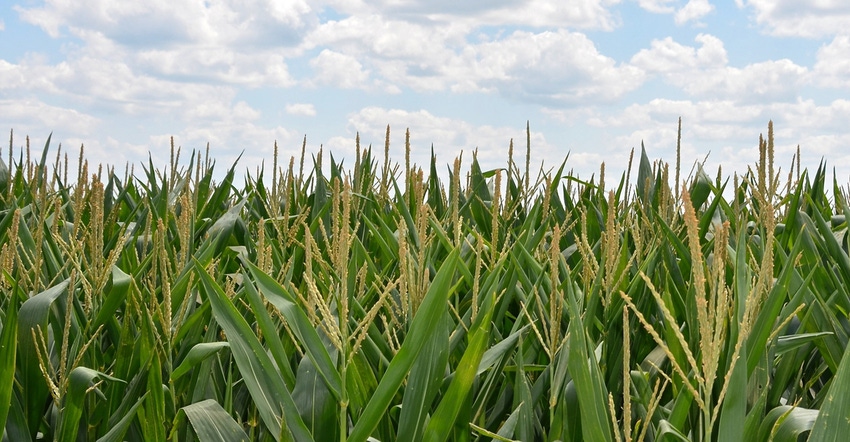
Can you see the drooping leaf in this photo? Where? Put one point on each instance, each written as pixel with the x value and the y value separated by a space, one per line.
pixel 212 423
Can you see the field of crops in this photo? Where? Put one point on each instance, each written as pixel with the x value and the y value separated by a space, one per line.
pixel 376 301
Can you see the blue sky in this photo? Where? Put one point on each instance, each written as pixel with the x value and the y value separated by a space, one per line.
pixel 594 78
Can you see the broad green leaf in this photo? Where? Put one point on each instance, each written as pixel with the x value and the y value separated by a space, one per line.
pixel 734 408
pixel 273 400
pixel 118 431
pixel 645 179
pixel 507 430
pixel 785 423
pixel 269 331
pixel 524 427
pixel 833 423
pixel 425 379
pixel 8 350
pixel 498 351
pixel 33 315
pixel 426 320
pixel 196 355
pixel 316 405
pixel 443 420
pixel 212 424
pixel 667 432
pixel 116 294
pixel 791 342
pixel 80 380
pixel 592 394
pixel 303 329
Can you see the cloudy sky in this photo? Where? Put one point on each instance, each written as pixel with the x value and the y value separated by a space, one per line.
pixel 593 77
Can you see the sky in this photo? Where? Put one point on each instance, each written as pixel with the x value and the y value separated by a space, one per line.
pixel 593 78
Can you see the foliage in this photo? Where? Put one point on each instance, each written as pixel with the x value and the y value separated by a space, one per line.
pixel 381 302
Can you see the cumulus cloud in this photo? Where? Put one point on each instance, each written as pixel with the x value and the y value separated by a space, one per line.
pixel 338 70
pixel 694 10
pixel 832 68
pixel 704 71
pixel 448 136
pixel 401 53
pixel 667 56
pixel 800 19
pixel 156 23
pixel 727 132
pixel 658 6
pixel 561 67
pixel 549 66
pixel 220 41
pixel 302 109
pixel 576 14
pixel 32 116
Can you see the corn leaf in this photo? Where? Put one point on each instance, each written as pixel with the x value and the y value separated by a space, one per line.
pixel 426 320
pixel 273 400
pixel 8 350
pixel 212 423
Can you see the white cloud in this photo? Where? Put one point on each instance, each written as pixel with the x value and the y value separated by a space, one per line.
pixel 820 18
pixel 554 67
pixel 832 68
pixel 704 72
pixel 338 70
pixel 401 53
pixel 230 139
pixel 2 25
pixel 449 137
pixel 550 67
pixel 216 65
pixel 658 6
pixel 579 14
pixel 162 22
pixel 728 131
pixel 302 109
pixel 221 41
pixel 30 116
pixel 667 56
pixel 576 14
pixel 694 10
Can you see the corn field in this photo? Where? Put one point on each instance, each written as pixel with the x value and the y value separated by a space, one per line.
pixel 380 302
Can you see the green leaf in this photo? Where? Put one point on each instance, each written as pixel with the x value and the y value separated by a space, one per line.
pixel 314 400
pixel 433 306
pixel 592 394
pixel 79 381
pixel 424 382
pixel 785 423
pixel 34 314
pixel 303 329
pixel 197 354
pixel 115 297
pixel 498 351
pixel 645 180
pixel 264 382
pixel 441 423
pixel 117 432
pixel 667 432
pixel 212 424
pixel 833 423
pixel 792 342
pixel 8 349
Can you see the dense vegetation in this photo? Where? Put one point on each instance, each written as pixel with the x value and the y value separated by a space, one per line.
pixel 379 301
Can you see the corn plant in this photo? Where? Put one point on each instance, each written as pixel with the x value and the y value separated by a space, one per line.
pixel 317 301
